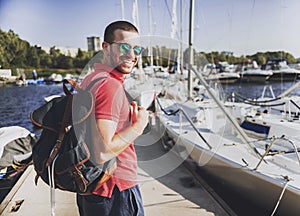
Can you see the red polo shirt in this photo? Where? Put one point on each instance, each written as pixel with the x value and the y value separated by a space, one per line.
pixel 112 104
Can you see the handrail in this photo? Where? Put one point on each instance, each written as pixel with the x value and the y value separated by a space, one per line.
pixel 266 152
pixel 269 147
pixel 187 117
pixel 296 150
pixel 295 104
pixel 194 126
pixel 289 90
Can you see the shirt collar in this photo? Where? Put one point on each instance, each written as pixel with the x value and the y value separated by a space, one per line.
pixel 119 76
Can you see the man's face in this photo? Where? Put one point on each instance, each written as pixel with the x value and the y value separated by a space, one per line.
pixel 122 56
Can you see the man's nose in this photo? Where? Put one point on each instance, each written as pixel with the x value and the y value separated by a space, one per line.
pixel 131 53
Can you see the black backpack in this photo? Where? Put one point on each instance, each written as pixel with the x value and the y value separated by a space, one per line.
pixel 63 156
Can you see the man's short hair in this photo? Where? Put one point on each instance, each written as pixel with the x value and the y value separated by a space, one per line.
pixel 111 28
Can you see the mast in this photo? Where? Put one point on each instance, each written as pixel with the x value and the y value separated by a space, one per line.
pixel 150 33
pixel 122 10
pixel 135 17
pixel 191 56
pixel 180 54
pixel 135 13
pixel 238 129
pixel 173 27
pixel 174 20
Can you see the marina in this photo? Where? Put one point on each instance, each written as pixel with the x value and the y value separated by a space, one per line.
pixel 14 95
pixel 223 136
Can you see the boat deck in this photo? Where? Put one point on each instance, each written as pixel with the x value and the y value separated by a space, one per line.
pixel 176 192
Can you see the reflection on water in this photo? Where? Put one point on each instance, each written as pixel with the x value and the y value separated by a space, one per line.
pixel 252 90
pixel 17 102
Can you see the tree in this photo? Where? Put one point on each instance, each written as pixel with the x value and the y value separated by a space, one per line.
pixel 15 52
pixel 33 58
pixel 82 58
pixel 65 62
pixel 54 54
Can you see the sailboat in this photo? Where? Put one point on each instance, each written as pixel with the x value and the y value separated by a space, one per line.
pixel 262 176
pixel 265 117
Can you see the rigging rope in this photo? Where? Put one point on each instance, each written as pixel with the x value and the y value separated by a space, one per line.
pixel 260 103
pixel 281 195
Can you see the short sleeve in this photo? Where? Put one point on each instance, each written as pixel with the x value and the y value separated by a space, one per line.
pixel 108 100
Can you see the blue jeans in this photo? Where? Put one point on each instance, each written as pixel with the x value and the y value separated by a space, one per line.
pixel 125 203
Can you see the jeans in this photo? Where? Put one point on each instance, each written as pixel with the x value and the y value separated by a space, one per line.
pixel 125 203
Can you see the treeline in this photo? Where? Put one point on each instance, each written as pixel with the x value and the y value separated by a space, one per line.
pixel 260 57
pixel 18 53
pixel 167 57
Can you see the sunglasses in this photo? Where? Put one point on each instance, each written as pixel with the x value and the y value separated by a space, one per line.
pixel 125 48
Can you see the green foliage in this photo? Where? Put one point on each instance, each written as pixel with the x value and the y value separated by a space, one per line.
pixel 260 58
pixel 17 53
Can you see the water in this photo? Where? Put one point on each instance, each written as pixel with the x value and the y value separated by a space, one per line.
pixel 17 102
pixel 252 90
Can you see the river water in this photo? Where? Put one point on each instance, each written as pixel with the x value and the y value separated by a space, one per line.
pixel 16 102
pixel 252 90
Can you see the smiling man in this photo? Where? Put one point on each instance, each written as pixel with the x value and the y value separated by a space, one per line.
pixel 118 124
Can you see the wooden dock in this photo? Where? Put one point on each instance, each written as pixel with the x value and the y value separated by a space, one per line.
pixel 175 193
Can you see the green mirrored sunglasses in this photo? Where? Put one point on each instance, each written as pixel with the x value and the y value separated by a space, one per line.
pixel 125 48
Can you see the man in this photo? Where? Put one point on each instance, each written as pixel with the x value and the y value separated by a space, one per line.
pixel 119 124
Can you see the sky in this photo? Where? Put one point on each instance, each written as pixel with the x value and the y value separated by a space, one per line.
pixel 240 26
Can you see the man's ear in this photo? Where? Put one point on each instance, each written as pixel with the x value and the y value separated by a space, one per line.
pixel 105 46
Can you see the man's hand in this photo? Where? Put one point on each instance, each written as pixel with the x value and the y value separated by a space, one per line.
pixel 140 117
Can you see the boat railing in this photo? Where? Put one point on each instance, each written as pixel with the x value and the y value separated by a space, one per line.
pixel 182 111
pixel 295 104
pixel 264 92
pixel 289 90
pixel 246 140
pixel 273 139
pixel 286 178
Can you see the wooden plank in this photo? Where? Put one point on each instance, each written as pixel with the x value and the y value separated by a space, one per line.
pixel 15 188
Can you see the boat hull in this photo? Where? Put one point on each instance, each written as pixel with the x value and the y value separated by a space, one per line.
pixel 248 192
pixel 254 78
pixel 281 77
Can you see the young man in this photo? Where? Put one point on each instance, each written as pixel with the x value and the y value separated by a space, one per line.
pixel 119 124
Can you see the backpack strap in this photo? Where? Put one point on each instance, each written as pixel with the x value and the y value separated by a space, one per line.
pixel 72 83
pixel 66 116
pixel 61 132
pixel 88 88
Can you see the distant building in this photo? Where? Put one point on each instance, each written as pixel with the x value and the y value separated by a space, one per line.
pixel 68 51
pixel 94 43
pixel 5 73
pixel 228 53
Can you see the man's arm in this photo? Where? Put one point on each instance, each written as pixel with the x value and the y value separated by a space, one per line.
pixel 114 144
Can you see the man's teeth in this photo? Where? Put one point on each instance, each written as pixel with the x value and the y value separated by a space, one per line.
pixel 128 62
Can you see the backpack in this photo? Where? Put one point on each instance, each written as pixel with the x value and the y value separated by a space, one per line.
pixel 63 156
